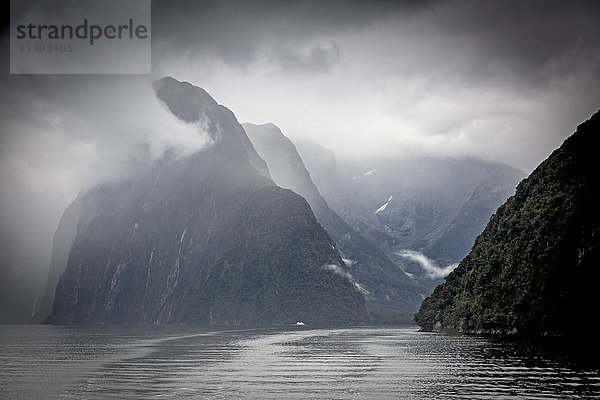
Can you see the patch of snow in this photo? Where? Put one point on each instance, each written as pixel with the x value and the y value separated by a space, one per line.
pixel 383 207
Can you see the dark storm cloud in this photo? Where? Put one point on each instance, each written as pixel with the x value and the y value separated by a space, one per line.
pixel 237 31
pixel 520 38
pixel 528 42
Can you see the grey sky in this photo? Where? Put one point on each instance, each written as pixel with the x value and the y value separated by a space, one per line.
pixel 501 80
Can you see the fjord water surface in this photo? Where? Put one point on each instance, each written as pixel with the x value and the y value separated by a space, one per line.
pixel 294 363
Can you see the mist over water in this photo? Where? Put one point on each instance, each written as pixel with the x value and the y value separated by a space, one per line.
pixel 295 363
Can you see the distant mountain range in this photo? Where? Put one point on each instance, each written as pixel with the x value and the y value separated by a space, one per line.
pixel 423 213
pixel 535 267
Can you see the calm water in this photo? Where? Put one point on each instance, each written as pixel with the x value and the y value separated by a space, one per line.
pixel 39 362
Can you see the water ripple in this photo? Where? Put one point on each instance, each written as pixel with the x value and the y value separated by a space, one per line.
pixel 294 363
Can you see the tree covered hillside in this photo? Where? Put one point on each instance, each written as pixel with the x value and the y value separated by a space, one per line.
pixel 535 267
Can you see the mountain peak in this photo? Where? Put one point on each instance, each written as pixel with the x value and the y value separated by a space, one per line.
pixel 184 100
pixel 269 130
pixel 192 104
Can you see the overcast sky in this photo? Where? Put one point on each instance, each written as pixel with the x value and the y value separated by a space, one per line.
pixel 500 80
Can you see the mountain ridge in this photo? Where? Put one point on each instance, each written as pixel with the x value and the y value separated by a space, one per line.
pixel 534 268
pixel 391 294
pixel 424 205
pixel 163 247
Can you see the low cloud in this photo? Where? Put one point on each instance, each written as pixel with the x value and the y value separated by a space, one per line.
pixel 63 135
pixel 503 81
pixel 341 272
pixel 429 266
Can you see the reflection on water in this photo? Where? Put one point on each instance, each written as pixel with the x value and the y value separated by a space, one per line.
pixel 298 362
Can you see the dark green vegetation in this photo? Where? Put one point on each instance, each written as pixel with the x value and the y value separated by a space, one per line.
pixel 268 265
pixel 205 239
pixel 392 296
pixel 536 266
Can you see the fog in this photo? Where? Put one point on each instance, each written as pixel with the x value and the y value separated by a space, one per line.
pixel 345 274
pixel 63 135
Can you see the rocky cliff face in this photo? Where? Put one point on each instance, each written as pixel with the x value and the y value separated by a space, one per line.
pixel 390 294
pixel 535 267
pixel 208 238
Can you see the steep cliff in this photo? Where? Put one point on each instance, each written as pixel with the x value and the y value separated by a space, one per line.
pixel 205 239
pixel 535 267
pixel 391 295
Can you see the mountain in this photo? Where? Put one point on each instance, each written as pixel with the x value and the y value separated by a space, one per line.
pixel 390 294
pixel 283 161
pixel 335 185
pixel 535 267
pixel 423 213
pixel 204 239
